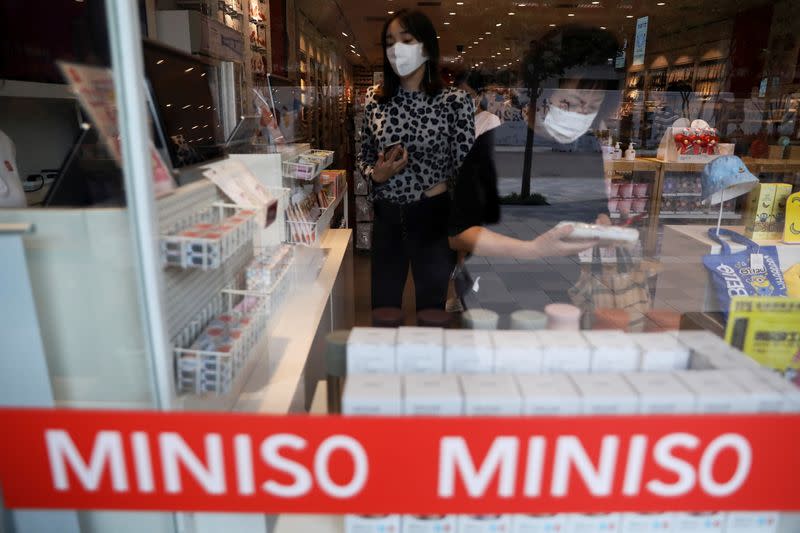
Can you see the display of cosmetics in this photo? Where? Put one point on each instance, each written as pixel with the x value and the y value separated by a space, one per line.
pixel 266 270
pixel 627 197
pixel 211 363
pixel 206 245
pixel 301 220
pixel 334 182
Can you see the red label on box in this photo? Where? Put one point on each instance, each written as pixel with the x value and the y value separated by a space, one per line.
pixel 245 463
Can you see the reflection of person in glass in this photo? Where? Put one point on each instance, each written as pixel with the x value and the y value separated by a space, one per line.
pixel 415 137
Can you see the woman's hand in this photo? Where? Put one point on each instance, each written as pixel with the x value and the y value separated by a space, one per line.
pixel 552 244
pixel 388 166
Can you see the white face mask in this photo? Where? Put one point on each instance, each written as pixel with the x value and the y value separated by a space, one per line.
pixel 567 126
pixel 405 58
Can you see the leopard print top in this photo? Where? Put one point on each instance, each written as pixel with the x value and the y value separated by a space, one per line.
pixel 437 131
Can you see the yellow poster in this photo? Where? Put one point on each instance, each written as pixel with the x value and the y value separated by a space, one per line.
pixel 767 328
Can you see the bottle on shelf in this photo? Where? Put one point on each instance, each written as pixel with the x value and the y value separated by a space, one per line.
pixel 617 151
pixel 630 153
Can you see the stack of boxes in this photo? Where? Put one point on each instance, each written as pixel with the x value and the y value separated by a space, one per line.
pixel 509 373
pixel 206 245
pixel 361 185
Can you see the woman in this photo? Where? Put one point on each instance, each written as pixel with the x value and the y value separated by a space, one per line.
pixel 415 137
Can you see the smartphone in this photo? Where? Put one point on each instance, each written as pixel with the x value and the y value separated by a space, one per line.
pixel 388 150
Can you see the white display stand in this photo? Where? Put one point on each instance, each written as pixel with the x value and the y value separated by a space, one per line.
pixel 682 252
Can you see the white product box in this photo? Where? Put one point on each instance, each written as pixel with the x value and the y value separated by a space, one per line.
pixel 429 524
pixel 764 397
pixel 517 352
pixel 372 395
pixel 523 523
pixel 727 359
pixel 372 524
pixel 564 351
pixel 371 351
pixel 700 340
pixel 428 395
pixel 699 522
pixel 715 392
pixel 647 523
pixel 606 394
pixel 661 393
pixel 420 350
pixel 791 393
pixel 709 352
pixel 593 523
pixel 484 524
pixel 660 352
pixel 549 394
pixel 468 351
pixel 752 522
pixel 612 351
pixel 491 395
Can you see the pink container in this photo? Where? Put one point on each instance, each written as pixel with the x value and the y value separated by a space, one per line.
pixel 640 190
pixel 613 190
pixel 613 205
pixel 624 206
pixel 563 317
pixel 639 205
pixel 626 190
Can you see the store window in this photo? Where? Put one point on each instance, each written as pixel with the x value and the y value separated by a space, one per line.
pixel 201 199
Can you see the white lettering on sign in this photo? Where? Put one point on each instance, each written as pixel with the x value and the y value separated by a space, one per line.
pixel 454 455
pixel 177 459
pixel 107 451
pixel 570 452
pixel 598 475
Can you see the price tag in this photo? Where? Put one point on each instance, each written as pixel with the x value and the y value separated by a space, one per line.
pixel 757 261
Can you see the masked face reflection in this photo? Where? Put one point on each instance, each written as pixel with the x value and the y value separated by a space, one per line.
pixel 569 113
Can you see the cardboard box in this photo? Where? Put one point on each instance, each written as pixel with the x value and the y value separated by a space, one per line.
pixel 661 393
pixel 565 351
pixel 606 394
pixel 612 351
pixel 764 397
pixel 372 395
pixel 371 351
pixel 372 524
pixel 468 351
pixel 427 395
pixel 429 524
pixel 491 395
pixel 517 352
pixel 647 523
pixel 766 212
pixel 593 523
pixel 715 392
pixel 699 522
pixel 752 522
pixel 484 524
pixel 524 523
pixel 550 394
pixel 660 352
pixel 420 350
pixel 790 391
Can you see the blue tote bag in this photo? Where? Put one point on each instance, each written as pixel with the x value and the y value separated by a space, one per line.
pixel 733 275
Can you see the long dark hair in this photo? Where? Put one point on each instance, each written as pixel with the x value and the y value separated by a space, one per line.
pixel 421 28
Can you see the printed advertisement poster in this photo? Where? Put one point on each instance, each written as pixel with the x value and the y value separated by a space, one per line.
pixel 94 88
pixel 641 41
pixel 767 329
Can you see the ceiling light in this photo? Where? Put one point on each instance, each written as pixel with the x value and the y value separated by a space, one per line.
pixel 570 14
pixel 488 33
pixel 459 3
pixel 438 37
pixel 661 4
pixel 446 23
pixel 595 2
pixel 452 12
pixel 552 25
pixel 343 33
pixel 499 24
pixel 470 46
pixel 188 70
pixel 628 16
pixel 480 38
pixel 511 13
pixel 474 42
pixel 507 48
pixel 159 61
pixel 352 46
pixel 390 12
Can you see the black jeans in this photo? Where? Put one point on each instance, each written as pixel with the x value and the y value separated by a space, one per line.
pixel 416 235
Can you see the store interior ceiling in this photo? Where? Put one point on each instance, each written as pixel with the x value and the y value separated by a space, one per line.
pixel 497 32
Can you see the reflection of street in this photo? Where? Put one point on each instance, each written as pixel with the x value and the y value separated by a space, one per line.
pixel 561 177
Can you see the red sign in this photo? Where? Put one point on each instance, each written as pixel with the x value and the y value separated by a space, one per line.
pixel 246 463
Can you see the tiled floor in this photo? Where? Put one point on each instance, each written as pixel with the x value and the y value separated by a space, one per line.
pixel 506 285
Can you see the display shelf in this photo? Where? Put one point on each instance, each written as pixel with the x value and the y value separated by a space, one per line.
pixel 639 164
pixel 312 232
pixel 699 216
pixel 677 194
